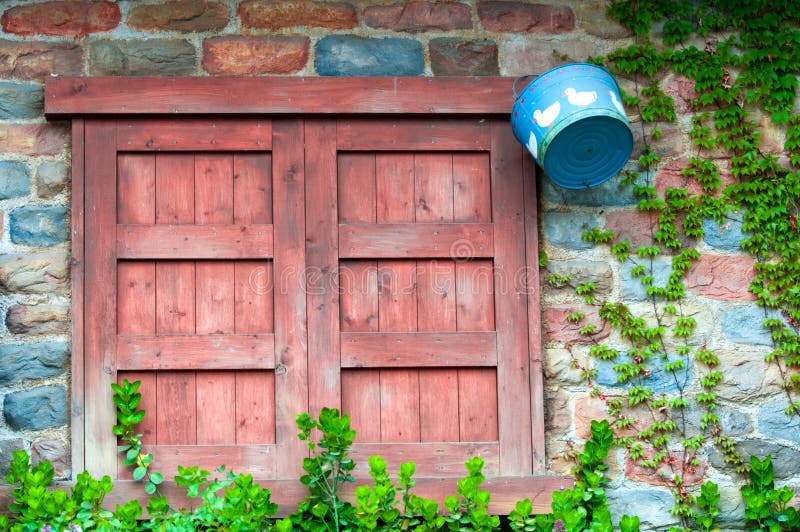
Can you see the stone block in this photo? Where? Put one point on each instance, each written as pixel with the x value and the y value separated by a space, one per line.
pixel 350 55
pixel 631 287
pixel 725 237
pixel 69 18
pixel 557 418
pixel 632 225
pixel 51 179
pixel 588 409
pixel 731 506
pixel 558 367
pixel 775 424
pixel 651 505
pixel 681 90
pixel 35 273
pixel 462 57
pixel 179 15
pixel 669 176
pixel 241 55
pixel 670 144
pixel 56 452
pixel 33 60
pixel 36 409
pixel 414 17
pixel 592 18
pixel 39 226
pixel 722 277
pixel 584 271
pixel 7 448
pixel 20 100
pixel 526 56
pixel 21 362
pixel 33 139
pixel 145 57
pixel 662 476
pixel 558 329
pixel 565 229
pixel 658 380
pixel 735 421
pixel 747 376
pixel 15 180
pixel 38 319
pixel 744 325
pixel 274 15
pixel 612 193
pixel 520 17
pixel 784 457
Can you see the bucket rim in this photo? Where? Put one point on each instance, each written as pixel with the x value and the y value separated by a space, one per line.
pixel 537 77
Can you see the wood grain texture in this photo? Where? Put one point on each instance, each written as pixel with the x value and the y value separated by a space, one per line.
pixel 163 241
pixel 432 459
pixel 252 188
pixel 177 408
pixel 278 95
pixel 356 187
pixel 136 188
pixel 255 407
pixel 101 312
pixel 257 460
pixel 77 285
pixel 418 349
pixel 213 188
pixel 364 134
pixel 214 297
pixel 216 408
pixel 253 293
pixel 472 201
pixel 194 134
pixel 174 188
pixel 361 400
pixel 394 178
pixel 168 352
pixel 175 289
pixel 434 240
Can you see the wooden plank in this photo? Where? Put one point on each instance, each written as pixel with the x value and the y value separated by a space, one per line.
pixel 167 352
pixel 208 134
pixel 194 241
pixel 214 297
pixel 174 188
pixel 291 370
pixel 418 349
pixel 511 307
pixel 432 459
pixel 255 407
pixel 358 297
pixel 147 428
pixel 177 408
pixel 253 285
pixel 400 405
pixel 216 408
pixel 136 297
pixel 278 95
pixel 394 177
pixel 136 188
pixel 385 241
pixel 477 404
pixel 322 261
pixel 361 400
pixel 252 188
pixel 472 201
pixel 433 187
pixel 436 295
pixel 356 187
pixel 475 295
pixel 175 290
pixel 534 316
pixel 101 312
pixel 77 283
pixel 213 188
pixel 257 460
pixel 412 134
pixel 438 405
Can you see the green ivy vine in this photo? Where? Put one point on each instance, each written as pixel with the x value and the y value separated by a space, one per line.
pixel 744 59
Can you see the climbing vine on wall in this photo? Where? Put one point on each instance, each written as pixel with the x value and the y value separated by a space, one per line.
pixel 744 59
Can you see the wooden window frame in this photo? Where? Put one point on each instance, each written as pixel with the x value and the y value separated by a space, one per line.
pixel 109 97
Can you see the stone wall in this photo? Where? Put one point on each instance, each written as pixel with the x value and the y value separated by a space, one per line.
pixel 261 37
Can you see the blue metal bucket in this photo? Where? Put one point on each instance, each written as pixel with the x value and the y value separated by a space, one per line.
pixel 572 121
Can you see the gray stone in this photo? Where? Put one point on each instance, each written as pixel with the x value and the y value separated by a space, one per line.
pixel 20 362
pixel 746 376
pixel 15 180
pixel 150 57
pixel 39 226
pixel 774 423
pixel 784 457
pixel 7 448
pixel 20 100
pixel 658 380
pixel 734 422
pixel 744 325
pixel 612 193
pixel 584 271
pixel 37 319
pixel 651 505
pixel 350 55
pixel 565 229
pixel 51 179
pixel 725 237
pixel 632 288
pixel 36 409
pixel 35 273
pixel 54 451
pixel 731 506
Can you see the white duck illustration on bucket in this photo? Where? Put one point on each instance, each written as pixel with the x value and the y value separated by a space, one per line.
pixel 571 120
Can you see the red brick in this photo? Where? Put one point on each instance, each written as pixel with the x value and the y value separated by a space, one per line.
pixel 37 60
pixel 249 56
pixel 459 57
pixel 663 474
pixel 518 17
pixel 632 225
pixel 33 139
pixel 588 408
pixel 722 277
pixel 670 177
pixel 277 14
pixel 558 329
pixel 681 89
pixel 179 15
pixel 415 17
pixel 62 18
